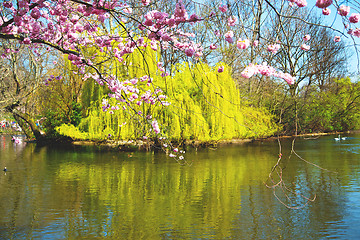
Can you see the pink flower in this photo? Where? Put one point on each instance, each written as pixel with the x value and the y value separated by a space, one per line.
pixel 35 13
pixel 354 18
pixel 356 32
pixel 145 2
pixel 229 40
pixel 232 21
pixel 243 44
pixel 306 37
pixel 249 71
pixel 323 3
pixel 155 126
pixel 305 47
pixel 229 34
pixel 273 48
pixel 337 39
pixel 180 11
pixel 344 10
pixel 189 52
pixel 223 8
pixel 255 43
pixel 213 46
pixel 301 3
pixel 27 41
pixel 220 69
pixel 194 18
pixel 288 78
pixel 326 11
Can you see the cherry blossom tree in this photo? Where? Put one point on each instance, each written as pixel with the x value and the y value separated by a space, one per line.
pixel 91 33
pixel 118 28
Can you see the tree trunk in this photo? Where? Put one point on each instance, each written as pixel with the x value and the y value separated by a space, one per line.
pixel 25 121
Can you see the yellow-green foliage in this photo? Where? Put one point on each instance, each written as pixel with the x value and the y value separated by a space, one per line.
pixel 211 102
pixel 205 105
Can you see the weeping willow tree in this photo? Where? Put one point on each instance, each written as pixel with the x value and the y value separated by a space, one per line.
pixel 205 105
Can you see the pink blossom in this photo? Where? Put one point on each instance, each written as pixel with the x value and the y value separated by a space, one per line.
pixel 306 37
pixel 7 4
pixel 223 8
pixel 27 41
pixel 323 3
pixel 337 39
pixel 213 46
pixel 255 43
pixel 189 52
pixel 194 18
pixel 301 3
pixel 176 150
pixel 220 69
pixel 35 13
pixel 305 47
pixel 155 126
pixel 356 32
pixel 249 71
pixel 344 10
pixel 232 21
pixel 243 44
pixel 180 11
pixel 265 70
pixel 229 40
pixel 326 11
pixel 145 2
pixel 229 34
pixel 354 18
pixel 273 48
pixel 288 78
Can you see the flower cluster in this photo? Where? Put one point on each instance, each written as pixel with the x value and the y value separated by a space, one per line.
pixel 266 70
pixel 344 10
pixel 354 18
pixel 323 3
pixel 299 3
pixel 273 48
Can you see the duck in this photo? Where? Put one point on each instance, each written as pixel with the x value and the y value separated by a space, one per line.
pixel 338 138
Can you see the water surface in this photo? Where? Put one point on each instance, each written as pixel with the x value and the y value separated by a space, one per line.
pixel 82 193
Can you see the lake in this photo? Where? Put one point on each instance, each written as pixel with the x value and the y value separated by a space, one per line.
pixel 84 193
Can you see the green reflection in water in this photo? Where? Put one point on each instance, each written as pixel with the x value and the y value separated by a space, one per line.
pixel 82 194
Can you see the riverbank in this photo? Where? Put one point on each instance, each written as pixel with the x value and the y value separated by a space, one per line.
pixel 146 145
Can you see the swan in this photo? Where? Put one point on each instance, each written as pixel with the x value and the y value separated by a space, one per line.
pixel 343 138
pixel 338 138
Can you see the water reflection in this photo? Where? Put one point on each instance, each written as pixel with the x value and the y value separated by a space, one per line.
pixel 77 193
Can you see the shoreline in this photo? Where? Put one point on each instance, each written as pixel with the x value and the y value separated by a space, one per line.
pixel 149 145
pixel 135 145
